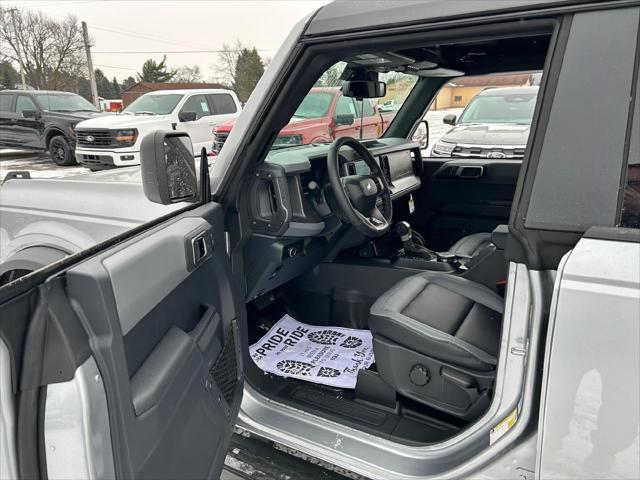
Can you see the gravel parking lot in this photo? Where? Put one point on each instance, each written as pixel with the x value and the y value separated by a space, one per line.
pixel 40 165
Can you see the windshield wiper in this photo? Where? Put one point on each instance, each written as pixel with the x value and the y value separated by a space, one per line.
pixel 142 112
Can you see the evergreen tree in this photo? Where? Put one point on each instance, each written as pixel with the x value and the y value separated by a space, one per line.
pixel 128 82
pixel 117 88
pixel 9 76
pixel 249 69
pixel 155 72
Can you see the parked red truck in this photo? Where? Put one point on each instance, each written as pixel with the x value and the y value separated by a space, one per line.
pixel 324 115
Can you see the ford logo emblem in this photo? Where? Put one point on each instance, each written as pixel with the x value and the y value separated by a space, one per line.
pixel 496 155
pixel 89 138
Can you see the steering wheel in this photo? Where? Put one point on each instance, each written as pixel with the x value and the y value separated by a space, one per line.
pixel 356 195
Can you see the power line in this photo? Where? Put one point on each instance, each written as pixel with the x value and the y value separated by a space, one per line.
pixel 117 68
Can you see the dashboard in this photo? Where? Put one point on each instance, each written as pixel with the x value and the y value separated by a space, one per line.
pixel 288 191
pixel 288 198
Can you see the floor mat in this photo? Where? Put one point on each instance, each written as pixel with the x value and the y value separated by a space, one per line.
pixel 325 355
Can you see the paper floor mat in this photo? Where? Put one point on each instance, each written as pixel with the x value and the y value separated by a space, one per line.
pixel 326 355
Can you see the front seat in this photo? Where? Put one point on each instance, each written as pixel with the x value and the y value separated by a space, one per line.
pixel 436 339
pixel 471 245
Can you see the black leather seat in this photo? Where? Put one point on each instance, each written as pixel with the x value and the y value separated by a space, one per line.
pixel 471 244
pixel 436 340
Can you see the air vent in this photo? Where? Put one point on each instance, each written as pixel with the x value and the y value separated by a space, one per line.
pixel 384 166
pixel 267 204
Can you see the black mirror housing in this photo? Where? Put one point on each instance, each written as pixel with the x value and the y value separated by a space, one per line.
pixel 364 89
pixel 187 116
pixel 168 167
pixel 29 114
pixel 449 119
pixel 344 119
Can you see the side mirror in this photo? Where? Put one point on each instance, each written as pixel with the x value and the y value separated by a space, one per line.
pixel 364 89
pixel 449 119
pixel 421 135
pixel 168 167
pixel 344 119
pixel 187 116
pixel 29 114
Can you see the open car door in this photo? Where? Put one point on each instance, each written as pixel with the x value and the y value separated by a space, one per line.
pixel 127 363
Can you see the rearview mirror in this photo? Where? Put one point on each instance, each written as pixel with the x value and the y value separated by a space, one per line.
pixel 449 119
pixel 29 113
pixel 187 116
pixel 364 89
pixel 344 119
pixel 168 167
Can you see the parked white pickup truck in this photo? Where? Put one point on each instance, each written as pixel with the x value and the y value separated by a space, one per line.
pixel 114 141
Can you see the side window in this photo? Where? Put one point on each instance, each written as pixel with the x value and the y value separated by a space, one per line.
pixel 483 116
pixel 583 148
pixel 222 103
pixel 198 104
pixel 630 214
pixel 345 106
pixel 25 103
pixel 5 102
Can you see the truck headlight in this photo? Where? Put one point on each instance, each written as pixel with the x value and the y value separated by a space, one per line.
pixel 288 140
pixel 443 148
pixel 72 129
pixel 126 137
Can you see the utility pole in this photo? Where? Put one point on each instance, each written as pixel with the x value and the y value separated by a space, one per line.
pixel 92 75
pixel 18 49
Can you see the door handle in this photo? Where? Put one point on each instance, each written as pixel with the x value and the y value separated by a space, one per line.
pixel 199 248
pixel 470 171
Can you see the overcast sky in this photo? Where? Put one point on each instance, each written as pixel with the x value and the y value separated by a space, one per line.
pixel 175 25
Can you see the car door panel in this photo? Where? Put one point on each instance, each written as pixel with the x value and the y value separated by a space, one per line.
pixel 168 327
pixel 158 315
pixel 459 197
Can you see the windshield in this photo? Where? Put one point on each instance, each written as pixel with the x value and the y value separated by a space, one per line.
pixel 514 108
pixel 65 103
pixel 150 104
pixel 331 115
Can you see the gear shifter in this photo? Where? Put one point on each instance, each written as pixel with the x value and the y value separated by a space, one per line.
pixel 409 246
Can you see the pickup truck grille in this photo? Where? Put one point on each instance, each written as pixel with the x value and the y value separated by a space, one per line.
pixel 95 138
pixel 218 141
pixel 488 151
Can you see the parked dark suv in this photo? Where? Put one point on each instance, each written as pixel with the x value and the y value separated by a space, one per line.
pixel 43 120
pixel 495 124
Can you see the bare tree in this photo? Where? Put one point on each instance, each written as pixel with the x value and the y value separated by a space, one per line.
pixel 188 74
pixel 225 67
pixel 52 51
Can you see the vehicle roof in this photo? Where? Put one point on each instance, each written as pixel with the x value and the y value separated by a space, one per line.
pixel 502 91
pixel 189 90
pixel 348 15
pixel 48 92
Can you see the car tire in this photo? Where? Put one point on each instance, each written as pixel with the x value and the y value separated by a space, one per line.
pixel 61 152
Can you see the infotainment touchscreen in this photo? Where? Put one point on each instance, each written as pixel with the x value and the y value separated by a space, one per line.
pixel 400 165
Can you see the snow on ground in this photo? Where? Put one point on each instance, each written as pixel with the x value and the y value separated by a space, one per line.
pixel 39 165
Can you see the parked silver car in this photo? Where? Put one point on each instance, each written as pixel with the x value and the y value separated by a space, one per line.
pixel 499 297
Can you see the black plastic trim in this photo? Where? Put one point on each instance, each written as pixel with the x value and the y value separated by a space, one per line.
pixel 526 245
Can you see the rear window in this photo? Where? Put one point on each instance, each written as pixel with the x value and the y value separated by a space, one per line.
pixel 222 103
pixel 5 102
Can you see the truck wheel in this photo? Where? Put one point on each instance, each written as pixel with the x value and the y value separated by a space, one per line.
pixel 61 151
